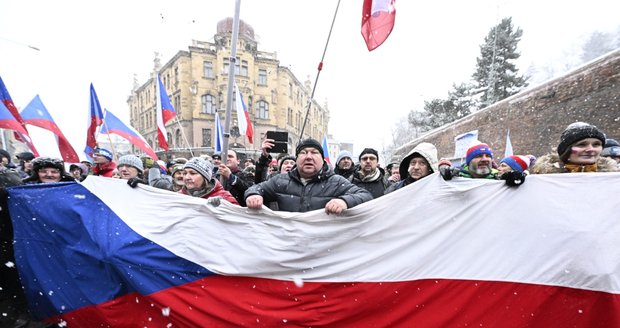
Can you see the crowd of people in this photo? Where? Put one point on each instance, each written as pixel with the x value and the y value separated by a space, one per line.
pixel 296 183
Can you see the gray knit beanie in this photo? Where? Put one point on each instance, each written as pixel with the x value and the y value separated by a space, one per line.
pixel 200 165
pixel 131 160
pixel 343 154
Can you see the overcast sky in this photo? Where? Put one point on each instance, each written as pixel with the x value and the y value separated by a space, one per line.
pixel 433 45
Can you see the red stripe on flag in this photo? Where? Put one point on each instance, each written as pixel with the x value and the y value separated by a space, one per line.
pixel 378 18
pixel 221 301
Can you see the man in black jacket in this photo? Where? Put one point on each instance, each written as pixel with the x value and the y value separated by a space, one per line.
pixel 309 186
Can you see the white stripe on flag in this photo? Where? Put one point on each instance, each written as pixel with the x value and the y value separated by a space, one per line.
pixel 462 229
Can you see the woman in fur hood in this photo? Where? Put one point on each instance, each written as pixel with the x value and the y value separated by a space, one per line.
pixel 579 150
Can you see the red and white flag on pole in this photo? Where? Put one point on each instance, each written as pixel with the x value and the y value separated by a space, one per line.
pixel 243 117
pixel 165 112
pixel 377 21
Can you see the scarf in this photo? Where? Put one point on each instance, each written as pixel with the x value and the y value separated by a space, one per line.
pixel 204 190
pixel 575 168
pixel 371 177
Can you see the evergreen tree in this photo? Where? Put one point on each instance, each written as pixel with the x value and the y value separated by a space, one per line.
pixel 462 100
pixel 496 73
pixel 438 112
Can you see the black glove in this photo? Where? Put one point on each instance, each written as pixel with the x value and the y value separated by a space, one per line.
pixel 513 179
pixel 133 182
pixel 447 172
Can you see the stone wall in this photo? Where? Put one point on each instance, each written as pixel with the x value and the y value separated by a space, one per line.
pixel 537 116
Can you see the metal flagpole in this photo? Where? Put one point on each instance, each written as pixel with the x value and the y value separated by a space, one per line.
pixel 316 80
pixel 184 137
pixel 231 80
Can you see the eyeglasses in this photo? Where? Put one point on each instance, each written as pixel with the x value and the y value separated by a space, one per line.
pixel 369 158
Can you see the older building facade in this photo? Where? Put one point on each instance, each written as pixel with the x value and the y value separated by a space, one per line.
pixel 197 83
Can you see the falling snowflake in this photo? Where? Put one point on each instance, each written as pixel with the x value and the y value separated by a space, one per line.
pixel 298 282
pixel 165 311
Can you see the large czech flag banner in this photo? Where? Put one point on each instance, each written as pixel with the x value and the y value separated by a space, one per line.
pixel 460 253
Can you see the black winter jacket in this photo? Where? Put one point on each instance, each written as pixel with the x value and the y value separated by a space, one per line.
pixel 293 196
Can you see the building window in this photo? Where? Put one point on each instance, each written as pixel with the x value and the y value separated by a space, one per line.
pixel 169 136
pixel 177 138
pixel 206 138
pixel 208 69
pixel 244 68
pixel 227 65
pixel 208 104
pixel 289 117
pixel 290 90
pixel 262 110
pixel 177 104
pixel 262 77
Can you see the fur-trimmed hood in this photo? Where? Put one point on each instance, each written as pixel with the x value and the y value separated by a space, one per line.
pixel 551 163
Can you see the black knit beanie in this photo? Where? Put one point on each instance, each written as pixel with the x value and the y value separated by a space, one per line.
pixel 287 157
pixel 309 143
pixel 575 132
pixel 369 151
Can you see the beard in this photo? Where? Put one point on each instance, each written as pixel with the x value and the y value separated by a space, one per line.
pixel 482 170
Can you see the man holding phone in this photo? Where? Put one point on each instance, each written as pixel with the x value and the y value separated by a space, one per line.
pixel 271 145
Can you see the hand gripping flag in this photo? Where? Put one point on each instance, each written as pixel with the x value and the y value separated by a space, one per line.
pixel 219 134
pixel 113 125
pixel 463 253
pixel 94 121
pixel 165 112
pixel 35 113
pixel 20 133
pixel 325 147
pixel 377 21
pixel 243 117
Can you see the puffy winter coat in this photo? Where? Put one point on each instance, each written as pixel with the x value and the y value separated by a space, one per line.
pixel 104 170
pixel 293 196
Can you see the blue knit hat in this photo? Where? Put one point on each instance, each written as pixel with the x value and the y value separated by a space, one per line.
pixel 477 150
pixel 103 152
pixel 517 163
